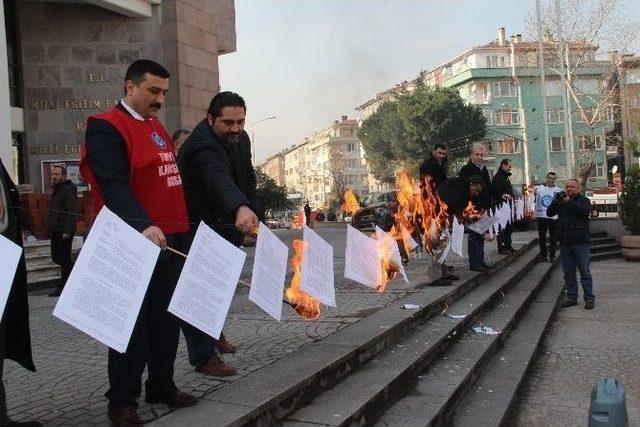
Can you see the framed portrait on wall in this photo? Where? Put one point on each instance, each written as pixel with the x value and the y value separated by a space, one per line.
pixel 73 174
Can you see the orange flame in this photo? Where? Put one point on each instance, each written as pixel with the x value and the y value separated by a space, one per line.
pixel 305 305
pixel 470 213
pixel 388 265
pixel 350 204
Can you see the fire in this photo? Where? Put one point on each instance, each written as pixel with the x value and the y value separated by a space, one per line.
pixel 470 213
pixel 350 204
pixel 305 305
pixel 389 267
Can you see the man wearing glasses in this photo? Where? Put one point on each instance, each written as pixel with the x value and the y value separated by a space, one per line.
pixel 544 196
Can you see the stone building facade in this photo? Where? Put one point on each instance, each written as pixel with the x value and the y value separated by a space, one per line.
pixel 71 58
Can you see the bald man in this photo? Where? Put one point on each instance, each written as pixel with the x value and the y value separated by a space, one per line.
pixel 573 211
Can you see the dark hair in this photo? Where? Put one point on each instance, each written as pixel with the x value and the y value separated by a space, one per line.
pixel 475 180
pixel 225 99
pixel 505 162
pixel 439 146
pixel 139 68
pixel 60 166
pixel 551 173
pixel 178 133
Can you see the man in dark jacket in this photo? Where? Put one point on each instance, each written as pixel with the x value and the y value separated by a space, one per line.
pixel 62 220
pixel 307 214
pixel 435 167
pixel 15 337
pixel 220 189
pixel 503 188
pixel 457 192
pixel 573 210
pixel 483 201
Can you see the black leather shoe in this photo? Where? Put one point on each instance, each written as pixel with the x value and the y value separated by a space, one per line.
pixel 589 305
pixel 569 303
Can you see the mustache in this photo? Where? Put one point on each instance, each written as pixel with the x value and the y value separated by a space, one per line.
pixel 156 105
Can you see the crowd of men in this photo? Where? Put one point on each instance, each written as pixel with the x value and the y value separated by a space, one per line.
pixel 126 152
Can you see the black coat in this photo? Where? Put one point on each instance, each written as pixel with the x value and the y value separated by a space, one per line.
pixel 62 214
pixel 484 200
pixel 502 184
pixel 455 193
pixel 436 170
pixel 573 219
pixel 218 178
pixel 16 313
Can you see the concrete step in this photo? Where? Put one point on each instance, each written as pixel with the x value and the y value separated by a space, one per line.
pixel 444 383
pixel 275 391
pixel 39 272
pixel 603 256
pixel 607 247
pixel 40 247
pixel 493 395
pixel 597 234
pixel 602 240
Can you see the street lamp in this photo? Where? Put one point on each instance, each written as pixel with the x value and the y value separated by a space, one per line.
pixel 253 137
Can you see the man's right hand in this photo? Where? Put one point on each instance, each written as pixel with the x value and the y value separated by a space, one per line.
pixel 246 220
pixel 156 235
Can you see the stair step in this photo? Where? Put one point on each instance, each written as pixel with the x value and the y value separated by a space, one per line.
pixel 596 234
pixel 442 384
pixel 603 256
pixel 602 240
pixel 495 392
pixel 604 248
pixel 273 392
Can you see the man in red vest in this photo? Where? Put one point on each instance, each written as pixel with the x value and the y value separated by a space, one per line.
pixel 128 158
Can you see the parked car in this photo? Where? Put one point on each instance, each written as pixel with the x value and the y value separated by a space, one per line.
pixel 378 208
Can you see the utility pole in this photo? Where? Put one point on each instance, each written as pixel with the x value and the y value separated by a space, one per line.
pixel 565 97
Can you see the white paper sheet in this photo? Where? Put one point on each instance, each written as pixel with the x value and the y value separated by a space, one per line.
pixel 108 282
pixel 519 208
pixel 457 236
pixel 504 215
pixel 386 239
pixel 362 263
pixel 483 224
pixel 269 271
pixel 10 255
pixel 317 268
pixel 447 248
pixel 207 282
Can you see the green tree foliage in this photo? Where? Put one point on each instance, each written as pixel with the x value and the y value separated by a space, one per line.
pixel 630 201
pixel 402 132
pixel 271 196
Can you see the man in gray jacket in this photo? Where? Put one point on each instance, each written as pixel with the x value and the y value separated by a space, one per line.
pixel 62 220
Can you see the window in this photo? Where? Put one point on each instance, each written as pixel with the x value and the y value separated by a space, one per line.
pixel 553 87
pixel 495 61
pixel 555 115
pixel 508 146
pixel 585 143
pixel 557 143
pixel 608 114
pixel 487 115
pixel 351 146
pixel 507 117
pixel 560 171
pixel 506 88
pixel 598 171
pixel 587 86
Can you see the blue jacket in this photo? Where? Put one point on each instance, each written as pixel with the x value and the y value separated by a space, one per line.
pixel 573 219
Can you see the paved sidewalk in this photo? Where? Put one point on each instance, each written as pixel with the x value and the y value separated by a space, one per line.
pixel 69 387
pixel 586 345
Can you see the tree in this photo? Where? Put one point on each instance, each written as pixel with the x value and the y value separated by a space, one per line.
pixel 271 196
pixel 402 132
pixel 572 34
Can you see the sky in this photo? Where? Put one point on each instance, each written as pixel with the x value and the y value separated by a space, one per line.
pixel 309 62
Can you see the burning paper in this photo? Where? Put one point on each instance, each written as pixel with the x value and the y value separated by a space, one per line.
pixel 305 305
pixel 387 243
pixel 361 259
pixel 503 214
pixel 317 268
pixel 483 224
pixel 10 254
pixel 269 271
pixel 519 209
pixel 457 236
pixel 350 205
pixel 208 281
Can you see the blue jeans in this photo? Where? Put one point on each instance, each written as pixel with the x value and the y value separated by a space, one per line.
pixel 577 255
pixel 476 250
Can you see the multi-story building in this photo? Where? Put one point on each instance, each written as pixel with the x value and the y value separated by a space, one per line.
pixel 629 78
pixel 274 168
pixel 503 78
pixel 64 60
pixel 326 163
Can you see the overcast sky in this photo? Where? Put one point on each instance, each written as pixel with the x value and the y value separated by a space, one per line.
pixel 308 62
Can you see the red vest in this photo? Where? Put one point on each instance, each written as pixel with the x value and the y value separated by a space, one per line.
pixel 154 177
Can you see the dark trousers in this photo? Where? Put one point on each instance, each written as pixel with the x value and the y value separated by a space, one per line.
pixel 154 341
pixel 504 237
pixel 4 416
pixel 545 224
pixel 201 347
pixel 61 255
pixel 577 255
pixel 476 250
